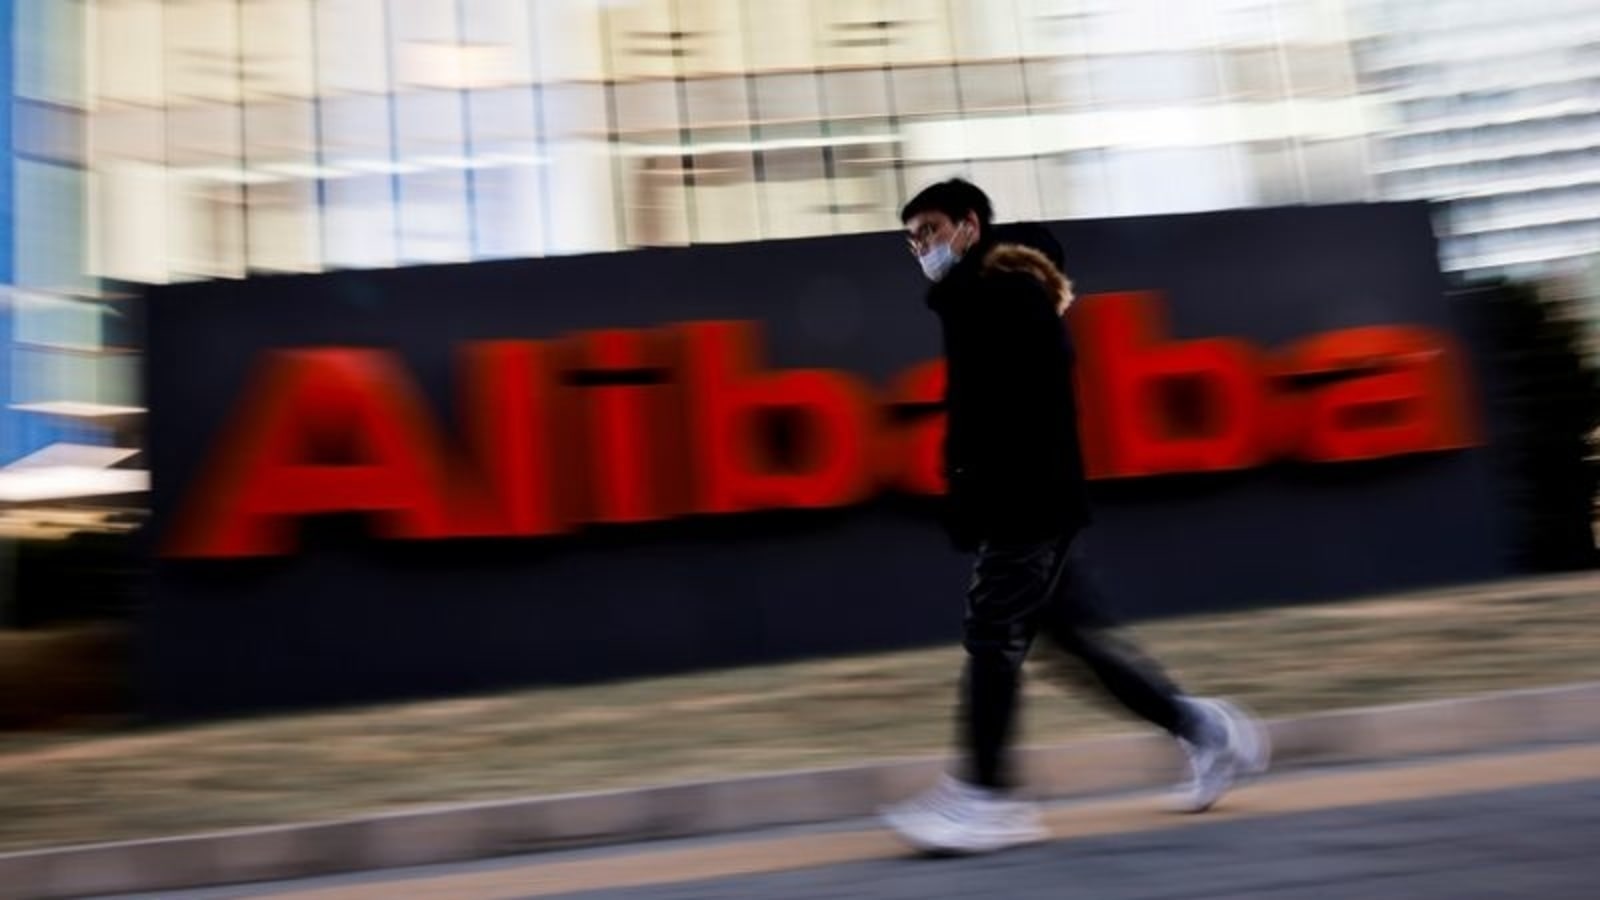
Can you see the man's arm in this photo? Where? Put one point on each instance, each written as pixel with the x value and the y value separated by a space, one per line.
pixel 1027 366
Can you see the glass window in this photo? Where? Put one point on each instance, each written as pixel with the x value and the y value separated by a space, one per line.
pixel 657 201
pixel 1321 71
pixel 277 48
pixel 128 52
pixel 852 33
pixel 357 132
pixel 133 133
pixel 1274 173
pixel 429 50
pixel 279 133
pixel 1013 186
pixel 1335 171
pixel 717 102
pixel 48 375
pixel 509 210
pixel 509 180
pixel 282 227
pixel 129 220
pixel 797 197
pixel 992 86
pixel 583 172
pixel 855 94
pixel 1172 180
pixel 863 199
pixel 567 41
pixel 925 91
pixel 210 135
pixel 644 40
pixel 359 207
pixel 654 165
pixel 788 98
pixel 48 131
pixel 1073 185
pixel 206 218
pixel 1241 22
pixel 117 380
pixel 779 34
pixel 503 120
pixel 44 320
pixel 45 375
pixel 725 199
pixel 507 27
pixel 576 110
pixel 984 29
pixel 1055 84
pixel 648 107
pixel 434 222
pixel 202 51
pixel 714 42
pixel 1254 74
pixel 920 32
pixel 48 63
pixel 352 49
pixel 433 189
pixel 360 222
pixel 1049 28
pixel 429 125
pixel 1154 78
pixel 422 23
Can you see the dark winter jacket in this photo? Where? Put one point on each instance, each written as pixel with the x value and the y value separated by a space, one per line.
pixel 1012 457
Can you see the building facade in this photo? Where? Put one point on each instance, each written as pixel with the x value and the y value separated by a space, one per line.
pixel 1495 113
pixel 159 141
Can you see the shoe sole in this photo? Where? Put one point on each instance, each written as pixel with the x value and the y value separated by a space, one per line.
pixel 929 844
pixel 1249 736
pixel 1250 744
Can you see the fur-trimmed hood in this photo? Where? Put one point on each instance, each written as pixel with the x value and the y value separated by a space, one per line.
pixel 1008 257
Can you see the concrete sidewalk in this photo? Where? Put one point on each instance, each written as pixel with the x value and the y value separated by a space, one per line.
pixel 480 830
pixel 1506 823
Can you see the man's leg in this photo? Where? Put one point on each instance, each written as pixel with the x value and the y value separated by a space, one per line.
pixel 1222 741
pixel 972 813
pixel 1076 622
pixel 1010 588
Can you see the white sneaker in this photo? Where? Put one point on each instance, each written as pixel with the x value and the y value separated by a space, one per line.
pixel 957 818
pixel 1231 744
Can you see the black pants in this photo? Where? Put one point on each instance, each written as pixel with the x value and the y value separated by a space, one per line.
pixel 1017 591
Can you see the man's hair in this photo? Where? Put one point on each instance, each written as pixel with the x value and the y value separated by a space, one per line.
pixel 955 198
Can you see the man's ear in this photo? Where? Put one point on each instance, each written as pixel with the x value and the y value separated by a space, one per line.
pixel 974 228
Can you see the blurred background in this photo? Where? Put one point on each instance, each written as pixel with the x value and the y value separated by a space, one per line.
pixel 154 142
pixel 162 142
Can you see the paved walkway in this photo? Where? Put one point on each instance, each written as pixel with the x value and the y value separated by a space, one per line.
pixel 1518 824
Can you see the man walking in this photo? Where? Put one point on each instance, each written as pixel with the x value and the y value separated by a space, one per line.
pixel 1017 497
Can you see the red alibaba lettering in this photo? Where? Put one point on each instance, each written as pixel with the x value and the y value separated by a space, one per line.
pixel 510 422
pixel 1161 406
pixel 633 426
pixel 324 431
pixel 622 441
pixel 733 413
pixel 1405 396
pixel 1158 407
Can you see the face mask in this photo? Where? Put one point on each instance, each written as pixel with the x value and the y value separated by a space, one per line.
pixel 940 259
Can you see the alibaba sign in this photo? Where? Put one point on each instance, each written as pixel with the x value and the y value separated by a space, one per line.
pixel 610 427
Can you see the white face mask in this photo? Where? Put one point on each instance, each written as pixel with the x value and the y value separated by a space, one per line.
pixel 940 258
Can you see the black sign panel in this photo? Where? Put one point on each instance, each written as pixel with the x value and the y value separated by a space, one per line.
pixel 335 608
